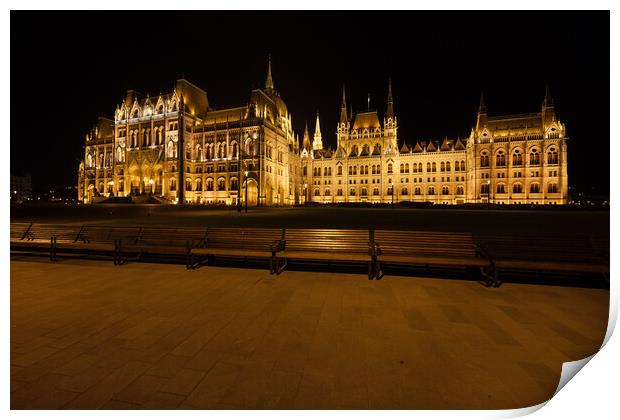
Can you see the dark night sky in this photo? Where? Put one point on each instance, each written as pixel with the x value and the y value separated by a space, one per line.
pixel 68 68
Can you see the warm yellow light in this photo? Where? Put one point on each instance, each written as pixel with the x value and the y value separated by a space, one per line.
pixel 246 174
pixel 151 182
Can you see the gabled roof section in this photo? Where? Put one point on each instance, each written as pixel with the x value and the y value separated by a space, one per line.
pixel 404 148
pixel 417 148
pixel 366 120
pixel 445 145
pixel 430 147
pixel 459 144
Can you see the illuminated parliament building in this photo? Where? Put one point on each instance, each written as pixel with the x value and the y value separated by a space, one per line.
pixel 177 148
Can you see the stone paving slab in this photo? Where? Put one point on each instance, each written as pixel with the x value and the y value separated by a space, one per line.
pixel 87 335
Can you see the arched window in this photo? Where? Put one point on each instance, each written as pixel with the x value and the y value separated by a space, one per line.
pixel 365 150
pixel 89 161
pixel 188 184
pixel 235 150
pixel 462 165
pixel 355 170
pixel 552 188
pixel 456 166
pixel 434 167
pixel 484 160
pixel 417 191
pixel 147 137
pixel 431 190
pixel 447 166
pixel 402 168
pixel 119 154
pixel 364 191
pixel 328 192
pixel 249 147
pixel 389 171
pixel 500 158
pixel 317 192
pixel 339 169
pixel 210 184
pixel 445 190
pixel 442 167
pixel 517 158
pixel 404 191
pixel 552 156
pixel 534 187
pixel 198 184
pixel 378 169
pixel 534 157
pixel 221 184
pixel 199 153
pixel 415 168
pixel 171 150
pixel 354 151
pixel 159 135
pixel 484 188
pixel 377 149
pixel 500 189
pixel 234 184
pixel 134 138
pixel 352 191
pixel 459 190
pixel 375 191
pixel 517 188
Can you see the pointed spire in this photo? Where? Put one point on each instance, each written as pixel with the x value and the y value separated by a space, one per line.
pixel 317 144
pixel 343 108
pixel 269 82
pixel 548 100
pixel 482 108
pixel 390 101
pixel 306 140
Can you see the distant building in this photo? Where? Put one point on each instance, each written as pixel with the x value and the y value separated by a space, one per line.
pixel 21 187
pixel 179 149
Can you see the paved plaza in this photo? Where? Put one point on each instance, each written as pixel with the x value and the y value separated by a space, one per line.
pixel 87 334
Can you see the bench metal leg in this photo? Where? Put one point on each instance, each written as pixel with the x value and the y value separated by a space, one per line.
pixel 53 249
pixel 378 271
pixel 280 267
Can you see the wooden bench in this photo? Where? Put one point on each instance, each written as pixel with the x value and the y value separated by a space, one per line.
pixel 429 249
pixel 238 242
pixel 327 245
pixel 558 253
pixel 153 240
pixel 19 230
pixel 104 240
pixel 43 237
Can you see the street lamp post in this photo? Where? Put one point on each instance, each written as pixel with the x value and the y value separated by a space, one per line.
pixel 305 194
pixel 246 191
pixel 488 193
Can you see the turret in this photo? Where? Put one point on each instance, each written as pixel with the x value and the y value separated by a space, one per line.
pixel 306 141
pixel 548 108
pixel 343 109
pixel 317 144
pixel 481 120
pixel 269 82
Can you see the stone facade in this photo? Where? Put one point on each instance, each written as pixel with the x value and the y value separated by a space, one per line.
pixel 176 148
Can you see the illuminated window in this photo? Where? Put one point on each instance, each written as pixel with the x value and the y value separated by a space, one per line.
pixel 500 158
pixel 459 190
pixel 552 156
pixel 484 160
pixel 517 188
pixel 534 157
pixel 188 184
pixel 500 189
pixel 221 184
pixel 534 188
pixel 552 188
